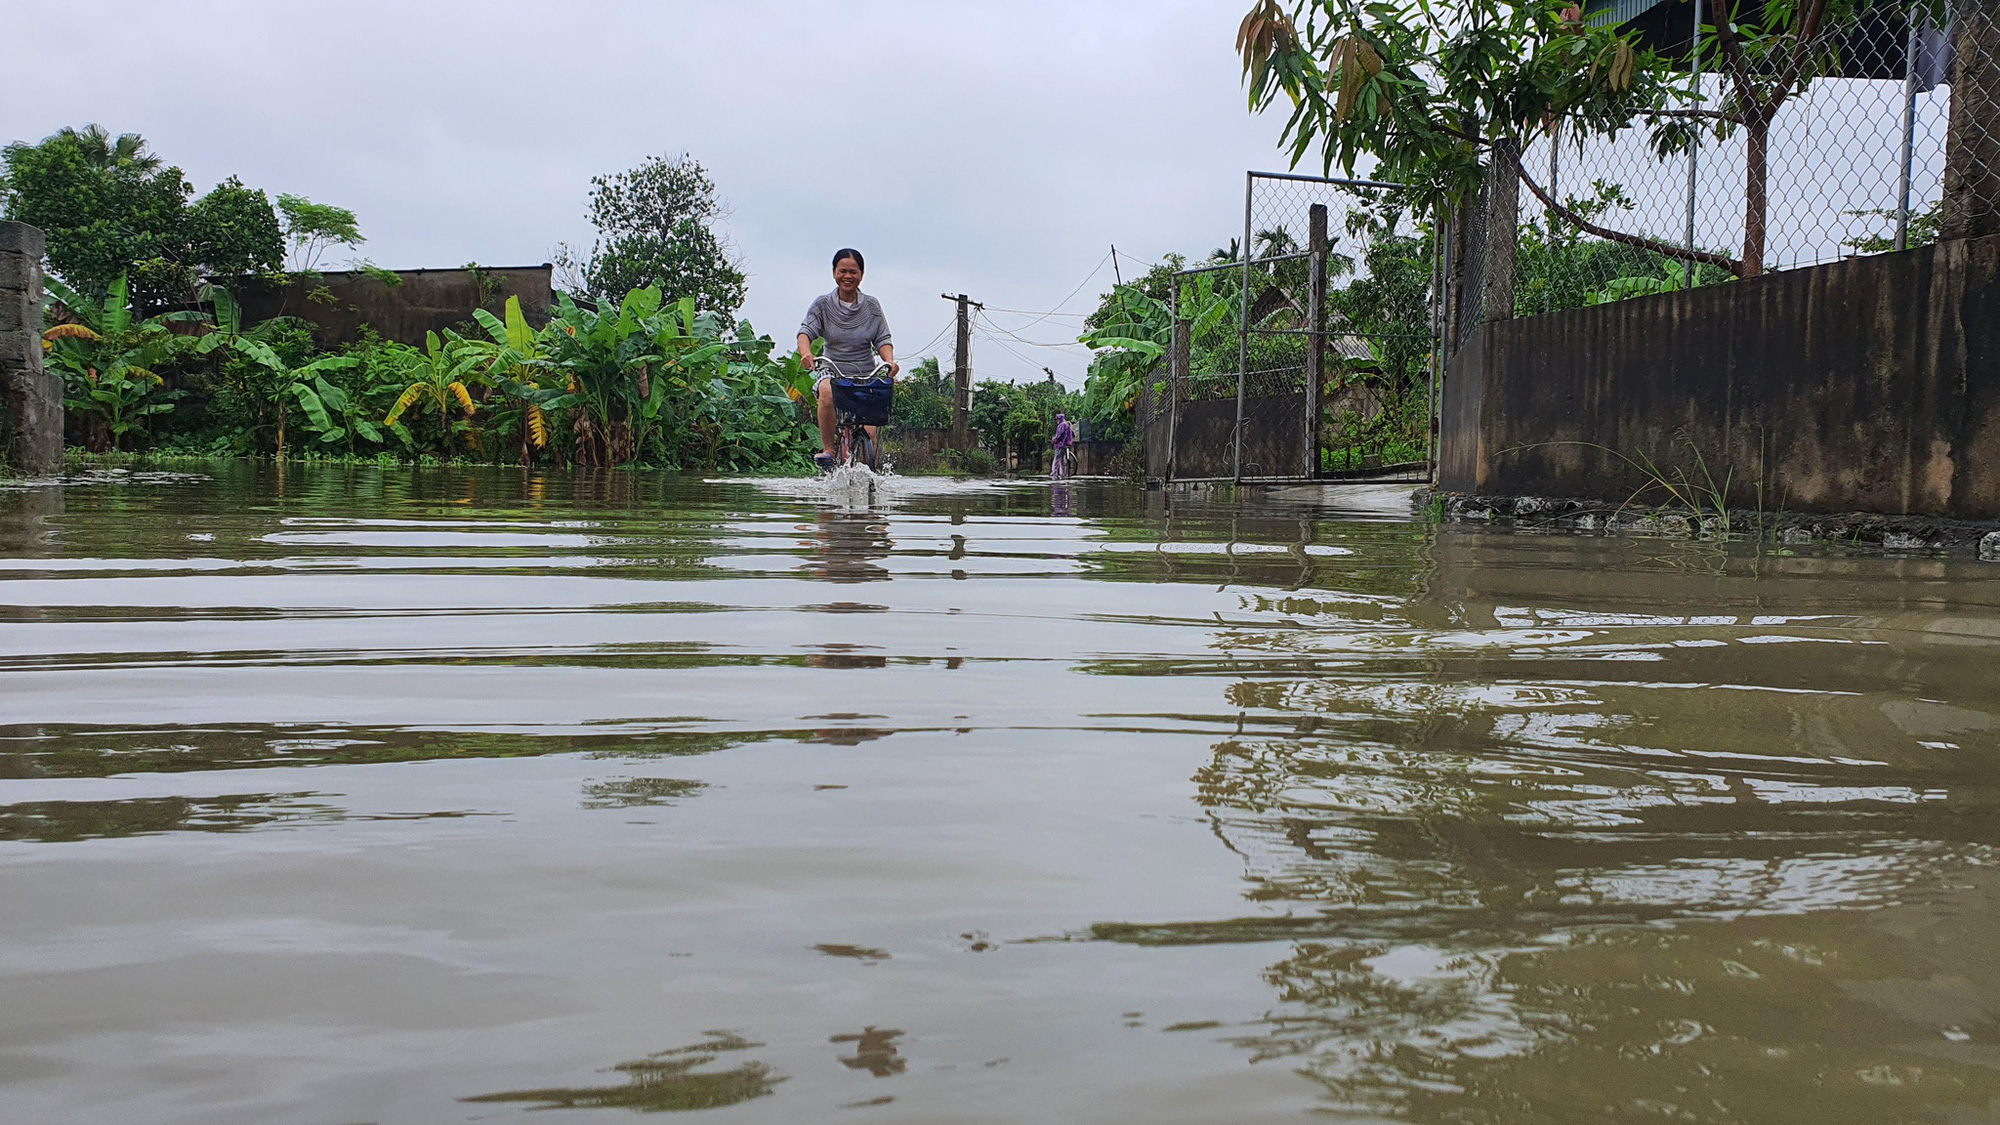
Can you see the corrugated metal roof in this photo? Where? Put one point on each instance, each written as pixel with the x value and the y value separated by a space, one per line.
pixel 1601 12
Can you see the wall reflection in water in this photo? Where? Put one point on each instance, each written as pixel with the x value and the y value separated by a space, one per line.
pixel 668 1081
pixel 1611 861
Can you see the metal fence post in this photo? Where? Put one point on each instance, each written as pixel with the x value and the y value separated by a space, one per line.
pixel 1316 335
pixel 1176 372
pixel 1909 135
pixel 1694 145
pixel 1243 327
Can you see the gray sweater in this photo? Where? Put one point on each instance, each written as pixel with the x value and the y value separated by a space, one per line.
pixel 853 333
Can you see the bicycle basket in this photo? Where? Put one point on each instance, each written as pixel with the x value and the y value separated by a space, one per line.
pixel 863 400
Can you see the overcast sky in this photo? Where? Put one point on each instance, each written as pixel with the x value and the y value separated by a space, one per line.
pixel 994 148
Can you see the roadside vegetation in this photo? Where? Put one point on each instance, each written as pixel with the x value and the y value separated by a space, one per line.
pixel 644 365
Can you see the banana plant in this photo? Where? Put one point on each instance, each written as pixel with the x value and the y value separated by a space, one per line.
pixel 1134 337
pixel 108 360
pixel 605 359
pixel 438 378
pixel 329 411
pixel 327 408
pixel 514 361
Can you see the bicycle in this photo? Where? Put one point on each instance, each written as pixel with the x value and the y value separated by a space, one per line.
pixel 858 405
pixel 1062 466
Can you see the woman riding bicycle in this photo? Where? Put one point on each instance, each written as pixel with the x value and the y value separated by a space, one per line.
pixel 857 342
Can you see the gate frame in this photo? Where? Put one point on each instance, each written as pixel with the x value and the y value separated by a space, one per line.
pixel 1318 253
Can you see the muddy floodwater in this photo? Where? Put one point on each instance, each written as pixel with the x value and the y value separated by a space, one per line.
pixel 385 795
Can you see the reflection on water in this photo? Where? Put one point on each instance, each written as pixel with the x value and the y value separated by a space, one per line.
pixel 874 1051
pixel 668 1081
pixel 1367 816
pixel 638 792
pixel 57 821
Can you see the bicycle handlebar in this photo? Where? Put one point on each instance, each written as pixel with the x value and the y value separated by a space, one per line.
pixel 828 366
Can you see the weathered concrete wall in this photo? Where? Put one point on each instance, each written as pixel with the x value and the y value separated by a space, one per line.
pixel 1869 385
pixel 31 411
pixel 338 304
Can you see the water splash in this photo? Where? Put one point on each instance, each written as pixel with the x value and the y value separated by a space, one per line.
pixel 856 486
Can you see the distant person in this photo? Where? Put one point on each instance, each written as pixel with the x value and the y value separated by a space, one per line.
pixel 1064 442
pixel 857 342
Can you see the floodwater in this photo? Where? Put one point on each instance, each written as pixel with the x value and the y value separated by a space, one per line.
pixel 369 795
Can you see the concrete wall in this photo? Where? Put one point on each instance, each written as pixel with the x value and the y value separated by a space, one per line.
pixel 1869 385
pixel 31 411
pixel 339 303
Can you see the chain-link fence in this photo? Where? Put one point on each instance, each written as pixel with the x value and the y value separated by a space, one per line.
pixel 1306 348
pixel 1791 145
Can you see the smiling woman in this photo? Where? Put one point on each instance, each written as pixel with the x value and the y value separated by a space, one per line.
pixel 855 334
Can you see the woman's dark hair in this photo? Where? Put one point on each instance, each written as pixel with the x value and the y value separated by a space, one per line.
pixel 850 252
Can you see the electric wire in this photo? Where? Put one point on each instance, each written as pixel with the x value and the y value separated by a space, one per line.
pixel 1088 278
pixel 1017 338
pixel 919 353
pixel 1003 346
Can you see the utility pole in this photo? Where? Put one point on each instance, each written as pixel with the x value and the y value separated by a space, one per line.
pixel 961 403
pixel 1115 273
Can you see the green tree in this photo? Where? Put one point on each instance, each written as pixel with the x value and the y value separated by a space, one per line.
pixel 233 232
pixel 311 229
pixel 1426 90
pixel 107 153
pixel 656 227
pixel 109 209
pixel 275 366
pixel 1442 97
pixel 923 397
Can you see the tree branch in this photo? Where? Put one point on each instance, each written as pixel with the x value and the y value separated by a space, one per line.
pixel 1713 114
pixel 1801 47
pixel 1664 249
pixel 1732 54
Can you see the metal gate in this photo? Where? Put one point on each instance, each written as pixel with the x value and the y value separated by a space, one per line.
pixel 1305 350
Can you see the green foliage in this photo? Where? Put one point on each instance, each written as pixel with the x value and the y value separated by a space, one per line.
pixel 1560 269
pixel 1019 417
pixel 971 462
pixel 655 229
pixel 311 229
pixel 233 232
pixel 288 382
pixel 639 378
pixel 1925 226
pixel 1422 89
pixel 108 212
pixel 373 272
pixel 110 361
pixel 111 208
pixel 923 398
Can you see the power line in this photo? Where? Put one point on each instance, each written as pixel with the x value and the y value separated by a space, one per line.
pixel 1088 278
pixel 1003 346
pixel 1024 340
pixel 934 339
pixel 1027 312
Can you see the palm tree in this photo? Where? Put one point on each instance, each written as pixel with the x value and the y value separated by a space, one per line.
pixel 125 152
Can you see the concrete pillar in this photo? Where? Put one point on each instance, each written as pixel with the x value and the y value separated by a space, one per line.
pixel 1972 136
pixel 31 410
pixel 1503 228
